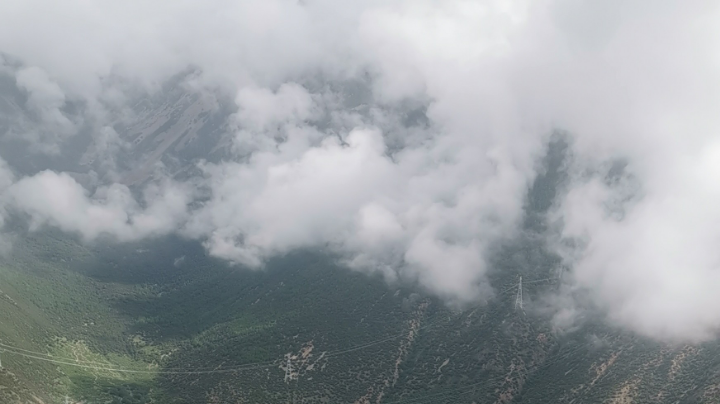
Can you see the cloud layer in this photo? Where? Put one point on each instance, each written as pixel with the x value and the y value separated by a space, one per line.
pixel 401 135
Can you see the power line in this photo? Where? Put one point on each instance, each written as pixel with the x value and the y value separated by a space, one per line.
pixel 262 365
pixel 373 343
pixel 540 280
pixel 469 388
pixel 461 391
pixel 256 365
pixel 250 366
pixel 51 356
pixel 101 365
pixel 124 370
pixel 433 397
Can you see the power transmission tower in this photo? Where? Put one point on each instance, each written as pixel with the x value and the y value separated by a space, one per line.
pixel 288 370
pixel 519 297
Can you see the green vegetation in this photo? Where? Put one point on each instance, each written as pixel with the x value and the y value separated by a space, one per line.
pixel 124 308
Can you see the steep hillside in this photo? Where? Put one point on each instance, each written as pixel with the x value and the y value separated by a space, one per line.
pixel 165 324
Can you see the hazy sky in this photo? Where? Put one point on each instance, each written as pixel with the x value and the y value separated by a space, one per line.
pixel 636 80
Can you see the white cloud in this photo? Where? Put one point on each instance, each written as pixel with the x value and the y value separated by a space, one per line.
pixel 280 201
pixel 107 144
pixel 34 112
pixel 412 216
pixel 259 107
pixel 657 269
pixel 49 198
pixel 636 79
pixel 652 102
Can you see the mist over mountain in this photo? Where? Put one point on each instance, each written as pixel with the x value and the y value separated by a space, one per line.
pixel 443 150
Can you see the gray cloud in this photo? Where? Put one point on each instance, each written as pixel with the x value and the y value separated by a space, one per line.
pixel 33 108
pixel 6 180
pixel 310 163
pixel 6 176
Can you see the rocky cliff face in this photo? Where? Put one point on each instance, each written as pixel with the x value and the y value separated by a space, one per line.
pixel 163 132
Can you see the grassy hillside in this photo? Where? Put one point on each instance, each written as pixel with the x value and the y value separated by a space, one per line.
pixel 148 331
pixel 167 306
